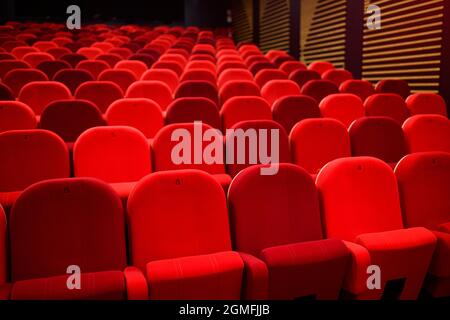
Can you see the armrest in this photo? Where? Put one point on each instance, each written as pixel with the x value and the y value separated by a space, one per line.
pixel 136 284
pixel 445 227
pixel 256 278
pixel 355 280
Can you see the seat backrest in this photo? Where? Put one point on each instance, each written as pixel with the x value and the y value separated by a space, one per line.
pixel 319 89
pixel 94 67
pixel 188 110
pixel 387 105
pixel 148 59
pixel 35 58
pixel 427 133
pixel 255 200
pixel 112 154
pixel 123 78
pixel 277 89
pixel 110 58
pixel 101 93
pixel 135 66
pixel 358 196
pixel 343 107
pixel 29 156
pixel 70 118
pixel 395 86
pixel 8 65
pixel 266 75
pixel 73 58
pixel 426 103
pixel 302 77
pixel 378 137
pixel 170 65
pixel 255 67
pixel 361 88
pixel 90 52
pixel 424 186
pixel 72 79
pixel 197 88
pixel 337 76
pixel 140 113
pixel 316 142
pixel 38 95
pixel 58 223
pixel 232 75
pixel 175 148
pixel 50 68
pixel 15 115
pixel 290 110
pixel 177 214
pixel 17 79
pixel 251 142
pixel 58 52
pixel 243 108
pixel 167 76
pixel 235 88
pixel 291 66
pixel 199 74
pixel 201 65
pixel 20 52
pixel 154 90
pixel 321 66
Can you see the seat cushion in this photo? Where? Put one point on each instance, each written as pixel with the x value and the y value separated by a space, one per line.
pixel 108 285
pixel 208 277
pixel 304 269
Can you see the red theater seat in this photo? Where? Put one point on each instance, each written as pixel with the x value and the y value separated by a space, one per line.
pixel 255 142
pixel 44 45
pixel 20 52
pixel 90 52
pixel 35 58
pixel 8 65
pixel 50 68
pixel 93 67
pixel 45 229
pixel 361 88
pixel 197 88
pixel 123 78
pixel 101 93
pixel 171 141
pixel 364 191
pixel 70 118
pixel 239 109
pixel 148 59
pixel 29 156
pixel 72 79
pixel 233 75
pixel 140 113
pixel 184 227
pixel 337 76
pixel 399 87
pixel 387 105
pixel 426 103
pixel 135 66
pixel 291 66
pixel 38 95
pixel 110 58
pixel 154 90
pixel 378 137
pixel 17 79
pixel 343 107
pixel 319 89
pixel 302 77
pixel 424 185
pixel 266 75
pixel 299 262
pixel 201 65
pixel 117 155
pixel 316 142
pixel 427 133
pixel 167 76
pixel 73 58
pixel 277 89
pixel 15 115
pixel 321 67
pixel 199 74
pixel 235 88
pixel 187 110
pixel 260 65
pixel 170 65
pixel 290 110
pixel 57 53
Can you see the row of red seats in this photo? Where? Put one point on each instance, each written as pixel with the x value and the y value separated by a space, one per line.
pixel 291 242
pixel 122 156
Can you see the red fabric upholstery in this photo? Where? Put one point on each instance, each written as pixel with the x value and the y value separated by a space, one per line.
pixel 50 68
pixel 6 94
pixel 8 65
pixel 187 110
pixel 122 77
pixel 154 90
pixel 17 79
pixel 112 154
pixel 427 133
pixel 73 58
pixel 140 113
pixel 364 190
pixel 235 88
pixel 243 108
pixel 169 77
pixel 302 77
pixel 378 137
pixel 319 89
pixel 199 74
pixel 266 75
pixel 197 88
pixel 3 250
pixel 39 95
pixel 70 118
pixel 337 76
pixel 101 93
pixel 321 66
pixel 387 105
pixel 277 89
pixel 174 66
pixel 93 67
pixel 361 88
pixel 90 53
pixel 290 110
pixel 15 115
pixel 343 107
pixel 315 142
pixel 35 58
pixel 135 66
pixel 291 66
pixel 72 79
pixel 399 87
pixel 233 75
pixel 426 103
pixel 111 58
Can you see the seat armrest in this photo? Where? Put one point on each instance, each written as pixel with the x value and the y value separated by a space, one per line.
pixel 356 278
pixel 136 284
pixel 256 278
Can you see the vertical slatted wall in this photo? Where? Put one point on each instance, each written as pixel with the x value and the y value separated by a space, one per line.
pixel 242 20
pixel 408 45
pixel 324 37
pixel 274 25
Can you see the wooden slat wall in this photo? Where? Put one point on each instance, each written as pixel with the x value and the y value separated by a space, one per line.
pixel 408 45
pixel 242 14
pixel 325 39
pixel 274 25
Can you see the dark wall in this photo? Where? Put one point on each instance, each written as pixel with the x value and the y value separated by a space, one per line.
pixel 206 13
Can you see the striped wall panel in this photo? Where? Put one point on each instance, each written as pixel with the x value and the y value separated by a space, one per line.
pixel 408 45
pixel 242 15
pixel 274 25
pixel 323 35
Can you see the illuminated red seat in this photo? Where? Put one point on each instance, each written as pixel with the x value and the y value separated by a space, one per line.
pixel 361 88
pixel 122 77
pixel 93 67
pixel 426 103
pixel 321 67
pixel 167 76
pixel 38 95
pixel 154 90
pixel 427 133
pixel 319 89
pixel 15 115
pixel 197 88
pixel 17 79
pixel 244 108
pixel 343 107
pixel 135 66
pixel 191 109
pixel 395 86
pixel 72 79
pixel 337 76
pixel 387 105
pixel 101 93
